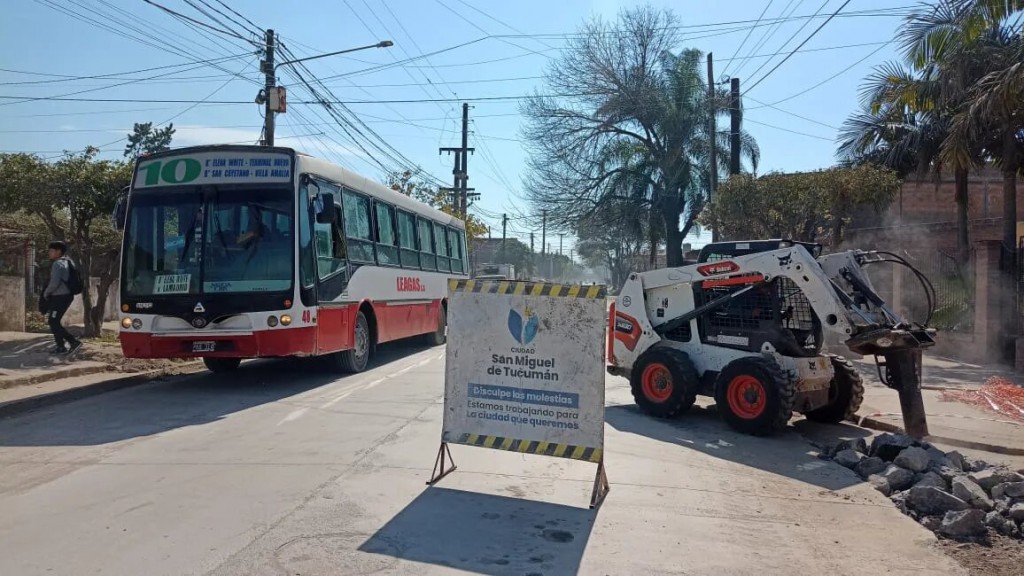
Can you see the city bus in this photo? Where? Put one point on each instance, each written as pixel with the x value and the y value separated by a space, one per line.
pixel 237 252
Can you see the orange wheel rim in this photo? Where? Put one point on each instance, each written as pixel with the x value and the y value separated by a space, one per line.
pixel 657 382
pixel 746 397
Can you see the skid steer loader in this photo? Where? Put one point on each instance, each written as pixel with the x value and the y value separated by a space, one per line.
pixel 747 325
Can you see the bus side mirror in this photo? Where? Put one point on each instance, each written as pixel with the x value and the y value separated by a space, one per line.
pixel 120 213
pixel 326 213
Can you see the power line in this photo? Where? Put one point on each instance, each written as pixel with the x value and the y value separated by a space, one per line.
pixel 816 30
pixel 830 78
pixel 197 22
pixel 791 37
pixel 787 130
pixel 749 32
pixel 794 114
pixel 70 78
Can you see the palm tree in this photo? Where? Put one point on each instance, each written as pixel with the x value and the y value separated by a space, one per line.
pixel 902 126
pixel 974 50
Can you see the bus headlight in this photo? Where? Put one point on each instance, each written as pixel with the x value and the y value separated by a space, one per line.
pixel 285 319
pixel 126 323
pixel 271 321
pixel 137 323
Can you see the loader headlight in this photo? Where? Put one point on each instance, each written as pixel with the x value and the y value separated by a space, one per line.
pixel 884 342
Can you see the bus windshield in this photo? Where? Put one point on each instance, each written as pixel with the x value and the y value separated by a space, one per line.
pixel 209 240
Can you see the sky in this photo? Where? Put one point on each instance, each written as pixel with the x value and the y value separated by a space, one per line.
pixel 486 53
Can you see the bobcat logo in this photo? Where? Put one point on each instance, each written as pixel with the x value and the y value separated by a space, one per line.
pixel 523 327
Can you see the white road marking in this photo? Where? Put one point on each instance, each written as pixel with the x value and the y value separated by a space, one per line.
pixel 375 382
pixel 294 415
pixel 349 390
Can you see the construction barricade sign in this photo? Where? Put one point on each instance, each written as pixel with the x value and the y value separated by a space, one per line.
pixel 525 369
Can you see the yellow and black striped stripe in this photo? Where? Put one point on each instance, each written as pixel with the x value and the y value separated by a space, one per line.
pixel 528 288
pixel 531 447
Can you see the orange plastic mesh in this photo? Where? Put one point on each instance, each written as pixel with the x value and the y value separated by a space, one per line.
pixel 997 396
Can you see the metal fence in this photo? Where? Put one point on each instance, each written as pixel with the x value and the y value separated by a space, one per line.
pixel 954 290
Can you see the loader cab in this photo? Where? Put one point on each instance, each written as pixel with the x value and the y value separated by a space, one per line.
pixel 724 250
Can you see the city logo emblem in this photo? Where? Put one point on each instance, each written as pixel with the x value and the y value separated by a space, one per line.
pixel 199 308
pixel 523 327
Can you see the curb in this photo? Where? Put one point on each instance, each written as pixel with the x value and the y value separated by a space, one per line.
pixel 51 376
pixel 867 422
pixel 23 405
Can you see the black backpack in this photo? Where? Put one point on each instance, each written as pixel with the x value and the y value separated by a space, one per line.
pixel 75 283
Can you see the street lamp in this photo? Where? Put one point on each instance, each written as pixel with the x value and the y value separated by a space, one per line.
pixel 273 97
pixel 381 44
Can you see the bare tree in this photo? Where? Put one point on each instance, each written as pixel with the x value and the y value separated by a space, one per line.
pixel 623 119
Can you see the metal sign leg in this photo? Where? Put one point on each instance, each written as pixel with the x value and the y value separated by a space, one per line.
pixel 440 463
pixel 601 486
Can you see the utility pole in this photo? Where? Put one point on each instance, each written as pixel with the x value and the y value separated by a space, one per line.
pixel 460 175
pixel 504 228
pixel 530 261
pixel 734 135
pixel 543 237
pixel 551 265
pixel 560 236
pixel 712 133
pixel 267 66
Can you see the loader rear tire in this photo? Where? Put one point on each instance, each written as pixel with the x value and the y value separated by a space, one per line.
pixel 755 396
pixel 845 394
pixel 664 382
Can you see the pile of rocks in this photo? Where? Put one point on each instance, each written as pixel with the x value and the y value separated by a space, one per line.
pixel 947 493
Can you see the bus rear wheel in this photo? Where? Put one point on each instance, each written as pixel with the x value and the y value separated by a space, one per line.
pixel 440 335
pixel 221 365
pixel 356 359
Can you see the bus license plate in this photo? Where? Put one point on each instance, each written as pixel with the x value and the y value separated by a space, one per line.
pixel 204 346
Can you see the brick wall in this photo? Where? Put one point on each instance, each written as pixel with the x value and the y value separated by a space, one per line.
pixel 924 213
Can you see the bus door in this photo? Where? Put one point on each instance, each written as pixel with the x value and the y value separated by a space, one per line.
pixel 334 319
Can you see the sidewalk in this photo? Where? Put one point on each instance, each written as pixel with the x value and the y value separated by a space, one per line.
pixel 25 359
pixel 952 424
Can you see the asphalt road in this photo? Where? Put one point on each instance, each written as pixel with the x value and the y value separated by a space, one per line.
pixel 283 468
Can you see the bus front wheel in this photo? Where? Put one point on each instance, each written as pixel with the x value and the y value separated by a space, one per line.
pixel 356 358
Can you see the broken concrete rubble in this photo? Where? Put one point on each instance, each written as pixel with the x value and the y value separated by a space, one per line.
pixel 965 489
pixel 930 500
pixel 870 465
pixel 914 459
pixel 888 446
pixel 898 478
pixel 1009 490
pixel 848 458
pixel 990 477
pixel 948 493
pixel 931 479
pixel 963 523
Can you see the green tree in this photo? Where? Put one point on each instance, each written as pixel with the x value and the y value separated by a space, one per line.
pixel 807 206
pixel 71 200
pixel 407 183
pixel 630 122
pixel 145 139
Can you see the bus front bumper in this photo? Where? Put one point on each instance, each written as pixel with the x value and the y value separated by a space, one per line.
pixel 274 343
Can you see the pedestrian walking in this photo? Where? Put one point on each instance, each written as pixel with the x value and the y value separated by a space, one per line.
pixel 65 283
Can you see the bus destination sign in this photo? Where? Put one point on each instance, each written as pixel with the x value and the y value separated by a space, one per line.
pixel 204 168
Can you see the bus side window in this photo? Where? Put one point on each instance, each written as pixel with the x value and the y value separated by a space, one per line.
pixel 444 264
pixel 387 245
pixel 307 254
pixel 330 242
pixel 410 257
pixel 426 233
pixel 456 248
pixel 357 226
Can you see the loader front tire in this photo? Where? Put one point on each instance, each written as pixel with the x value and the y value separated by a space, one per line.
pixel 755 396
pixel 845 394
pixel 664 382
